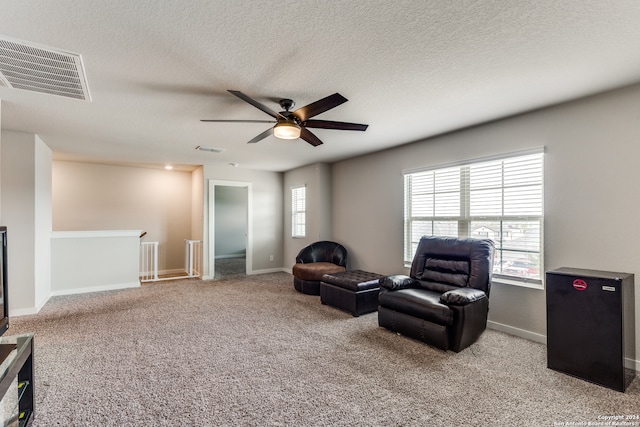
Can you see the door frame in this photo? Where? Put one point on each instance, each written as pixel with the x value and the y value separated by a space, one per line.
pixel 211 226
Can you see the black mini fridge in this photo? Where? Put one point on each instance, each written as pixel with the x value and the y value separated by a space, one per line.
pixel 591 325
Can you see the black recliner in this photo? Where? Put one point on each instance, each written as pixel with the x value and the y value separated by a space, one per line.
pixel 445 300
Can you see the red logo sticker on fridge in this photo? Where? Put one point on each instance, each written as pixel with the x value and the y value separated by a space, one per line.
pixel 580 284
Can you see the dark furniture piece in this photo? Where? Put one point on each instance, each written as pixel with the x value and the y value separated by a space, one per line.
pixel 353 291
pixel 445 300
pixel 316 260
pixel 16 379
pixel 591 325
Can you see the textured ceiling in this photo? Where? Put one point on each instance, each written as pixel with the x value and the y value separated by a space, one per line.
pixel 410 69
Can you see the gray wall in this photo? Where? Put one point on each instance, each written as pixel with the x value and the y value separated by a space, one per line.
pixel 592 202
pixel 591 199
pixel 265 219
pixel 26 211
pixel 317 179
pixel 43 221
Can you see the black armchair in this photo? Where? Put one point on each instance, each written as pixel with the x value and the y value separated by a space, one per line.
pixel 316 260
pixel 445 300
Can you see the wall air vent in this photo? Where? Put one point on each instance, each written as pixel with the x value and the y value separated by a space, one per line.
pixel 27 66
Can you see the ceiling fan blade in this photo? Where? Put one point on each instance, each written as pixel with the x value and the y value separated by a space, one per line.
pixel 238 121
pixel 320 106
pixel 256 104
pixel 262 136
pixel 328 124
pixel 309 137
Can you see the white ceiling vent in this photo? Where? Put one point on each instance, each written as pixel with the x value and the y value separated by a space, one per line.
pixel 27 66
pixel 209 149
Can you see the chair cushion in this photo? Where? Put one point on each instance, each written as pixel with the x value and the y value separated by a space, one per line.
pixel 462 296
pixel 398 281
pixel 315 270
pixel 446 271
pixel 444 262
pixel 420 303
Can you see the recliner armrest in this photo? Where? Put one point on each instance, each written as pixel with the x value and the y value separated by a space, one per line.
pixel 462 296
pixel 399 281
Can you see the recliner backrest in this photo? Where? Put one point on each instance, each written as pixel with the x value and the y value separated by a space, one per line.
pixel 445 263
pixel 323 251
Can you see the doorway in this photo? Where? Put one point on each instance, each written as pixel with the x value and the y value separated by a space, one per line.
pixel 230 231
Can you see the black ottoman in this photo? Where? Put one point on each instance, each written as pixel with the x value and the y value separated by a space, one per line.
pixel 353 291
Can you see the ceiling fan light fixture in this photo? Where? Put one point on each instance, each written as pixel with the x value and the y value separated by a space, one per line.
pixel 286 130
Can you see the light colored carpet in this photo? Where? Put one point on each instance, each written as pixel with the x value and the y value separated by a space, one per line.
pixel 253 352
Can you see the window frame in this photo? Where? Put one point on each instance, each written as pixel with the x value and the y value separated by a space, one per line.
pixel 298 195
pixel 464 219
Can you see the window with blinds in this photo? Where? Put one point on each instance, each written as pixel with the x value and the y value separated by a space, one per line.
pixel 298 211
pixel 499 199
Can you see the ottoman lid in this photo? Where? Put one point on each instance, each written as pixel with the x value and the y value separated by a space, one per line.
pixel 356 280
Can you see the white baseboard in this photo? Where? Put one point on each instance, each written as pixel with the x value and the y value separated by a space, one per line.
pixel 256 272
pixel 42 303
pixel 522 333
pixel 95 289
pixel 28 311
pixel 230 256
pixel 22 312
pixel 532 336
pixel 173 271
pixel 632 364
pixel 268 270
pixel 176 271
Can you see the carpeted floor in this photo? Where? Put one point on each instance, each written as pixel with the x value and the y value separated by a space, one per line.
pixel 227 268
pixel 251 351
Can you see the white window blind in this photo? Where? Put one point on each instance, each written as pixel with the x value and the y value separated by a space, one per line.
pixel 298 211
pixel 499 199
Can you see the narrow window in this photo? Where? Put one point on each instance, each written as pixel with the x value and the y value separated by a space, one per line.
pixel 298 211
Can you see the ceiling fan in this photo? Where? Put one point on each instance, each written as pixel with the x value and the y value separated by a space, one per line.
pixel 293 124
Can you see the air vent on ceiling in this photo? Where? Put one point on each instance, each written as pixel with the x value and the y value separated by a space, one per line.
pixel 209 149
pixel 27 66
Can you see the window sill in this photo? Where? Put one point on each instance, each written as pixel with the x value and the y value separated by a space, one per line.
pixel 520 283
pixel 509 282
